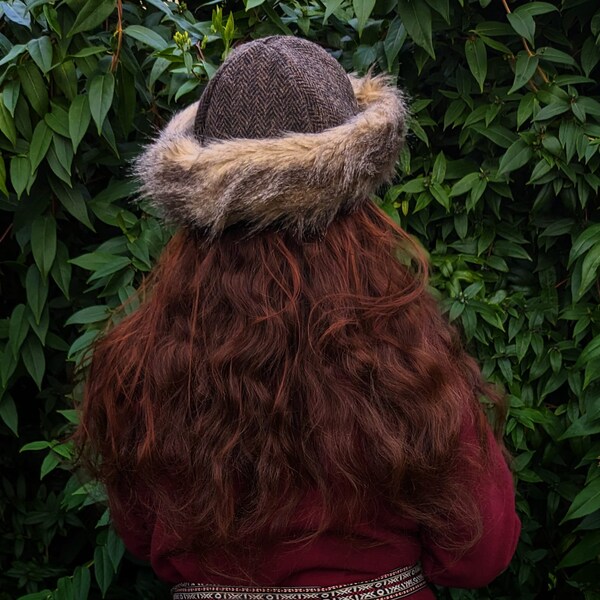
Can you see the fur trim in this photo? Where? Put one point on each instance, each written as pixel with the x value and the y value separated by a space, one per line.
pixel 299 180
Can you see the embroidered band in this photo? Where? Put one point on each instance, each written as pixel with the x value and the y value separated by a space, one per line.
pixel 397 584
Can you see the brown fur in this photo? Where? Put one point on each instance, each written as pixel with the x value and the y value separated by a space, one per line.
pixel 299 180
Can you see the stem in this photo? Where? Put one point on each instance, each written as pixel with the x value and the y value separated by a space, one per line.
pixel 539 69
pixel 6 232
pixel 119 34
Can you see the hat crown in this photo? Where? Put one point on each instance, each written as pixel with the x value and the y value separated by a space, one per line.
pixel 274 85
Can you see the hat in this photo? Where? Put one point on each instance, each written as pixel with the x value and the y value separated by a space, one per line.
pixel 281 136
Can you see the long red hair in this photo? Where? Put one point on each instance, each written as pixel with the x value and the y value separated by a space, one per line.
pixel 260 367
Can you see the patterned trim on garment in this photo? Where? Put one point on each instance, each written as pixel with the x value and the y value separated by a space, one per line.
pixel 397 584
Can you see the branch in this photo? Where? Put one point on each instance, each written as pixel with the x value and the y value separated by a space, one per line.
pixel 539 69
pixel 6 232
pixel 119 34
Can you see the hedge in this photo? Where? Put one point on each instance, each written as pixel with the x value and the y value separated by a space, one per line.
pixel 499 182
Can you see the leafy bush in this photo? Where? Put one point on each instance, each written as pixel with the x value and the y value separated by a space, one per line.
pixel 499 182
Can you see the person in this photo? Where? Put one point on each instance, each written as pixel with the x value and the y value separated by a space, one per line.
pixel 287 415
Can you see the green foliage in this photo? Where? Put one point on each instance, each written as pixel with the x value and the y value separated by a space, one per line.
pixel 499 182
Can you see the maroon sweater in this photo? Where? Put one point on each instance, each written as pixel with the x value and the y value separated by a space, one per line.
pixel 331 560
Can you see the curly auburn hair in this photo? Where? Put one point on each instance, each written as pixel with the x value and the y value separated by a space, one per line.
pixel 258 368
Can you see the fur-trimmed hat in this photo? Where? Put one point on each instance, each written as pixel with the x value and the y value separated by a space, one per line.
pixel 281 136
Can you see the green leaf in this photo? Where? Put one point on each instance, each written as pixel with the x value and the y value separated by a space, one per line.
pixel 523 24
pixel 103 568
pixel 416 17
pixel 582 427
pixel 362 10
pixel 52 19
pixel 61 269
pixel 40 143
pixel 413 187
pixel 91 314
pixel 465 184
pixel 18 327
pixel 33 87
pixel 586 502
pixel 552 110
pixel 542 168
pixel 589 270
pixel 58 121
pixel 7 124
pixel 189 86
pixel 115 548
pixel 253 4
pixel 64 152
pixel 82 343
pixel 440 194
pixel 10 95
pixel 477 60
pixel 100 97
pixel 555 56
pixel 438 173
pixel 37 292
pixel 588 238
pixel 515 157
pixel 34 359
pixel 109 135
pixel 40 329
pixel 89 51
pixel 526 106
pixel 43 242
pixel 394 40
pixel 71 415
pixel 534 9
pixel 453 113
pixel 91 14
pixel 591 106
pixel 81 582
pixel 57 169
pixel 50 462
pixel 17 12
pixel 13 53
pixel 79 120
pixel 525 67
pixel 20 171
pixel 476 193
pixel 116 190
pixel 73 201
pixel 590 352
pixel 501 136
pixel 3 187
pixel 587 548
pixel 364 57
pixel 40 49
pixel 23 118
pixel 158 68
pixel 590 56
pixel 146 36
pixel 442 7
pixel 9 414
pixel 94 260
pixel 35 446
pixel 65 76
pixel 330 7
pixel 116 264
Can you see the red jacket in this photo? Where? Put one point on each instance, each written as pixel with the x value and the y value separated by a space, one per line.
pixel 330 560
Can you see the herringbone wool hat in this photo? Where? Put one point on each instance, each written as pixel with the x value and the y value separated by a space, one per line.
pixel 281 137
pixel 274 85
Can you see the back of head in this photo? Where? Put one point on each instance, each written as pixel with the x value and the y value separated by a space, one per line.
pixel 264 362
pixel 281 138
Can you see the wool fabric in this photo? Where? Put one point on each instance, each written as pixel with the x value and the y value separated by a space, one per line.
pixel 274 85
